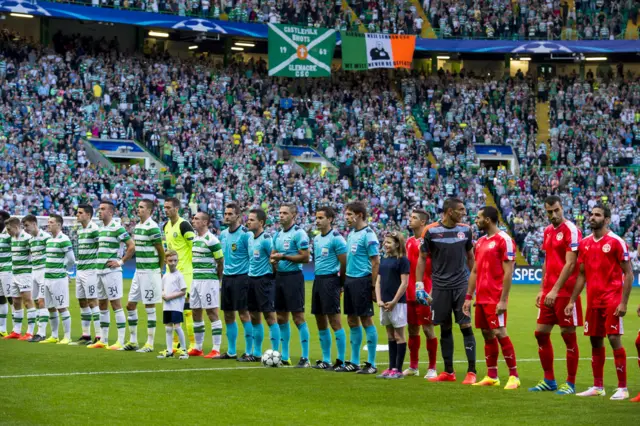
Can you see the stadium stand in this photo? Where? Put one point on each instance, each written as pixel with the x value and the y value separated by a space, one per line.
pixel 215 127
pixel 530 20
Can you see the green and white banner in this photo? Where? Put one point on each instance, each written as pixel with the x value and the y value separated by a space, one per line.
pixel 300 51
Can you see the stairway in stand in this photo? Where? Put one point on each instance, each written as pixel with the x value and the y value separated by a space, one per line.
pixel 427 29
pixel 354 17
pixel 542 117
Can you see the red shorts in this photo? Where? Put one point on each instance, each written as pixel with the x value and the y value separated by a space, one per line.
pixel 418 314
pixel 487 319
pixel 601 322
pixel 556 316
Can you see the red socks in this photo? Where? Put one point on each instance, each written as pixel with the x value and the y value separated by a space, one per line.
pixel 491 352
pixel 597 365
pixel 620 359
pixel 573 356
pixel 509 354
pixel 545 351
pixel 638 347
pixel 414 351
pixel 432 350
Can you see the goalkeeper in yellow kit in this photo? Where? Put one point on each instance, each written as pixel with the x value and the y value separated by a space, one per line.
pixel 179 235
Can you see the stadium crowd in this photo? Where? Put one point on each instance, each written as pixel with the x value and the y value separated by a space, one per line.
pixel 524 19
pixel 530 19
pixel 215 128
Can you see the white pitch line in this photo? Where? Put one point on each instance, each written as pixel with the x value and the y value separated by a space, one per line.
pixel 189 370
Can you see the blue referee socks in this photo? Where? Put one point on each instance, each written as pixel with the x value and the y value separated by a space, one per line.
pixel 258 337
pixel 325 344
pixel 356 343
pixel 341 343
pixel 304 339
pixel 285 333
pixel 274 335
pixel 232 336
pixel 372 343
pixel 248 337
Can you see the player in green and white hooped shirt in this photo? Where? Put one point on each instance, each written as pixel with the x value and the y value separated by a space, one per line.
pixel 6 276
pixel 37 246
pixel 20 288
pixel 146 286
pixel 109 266
pixel 86 274
pixel 59 258
pixel 208 264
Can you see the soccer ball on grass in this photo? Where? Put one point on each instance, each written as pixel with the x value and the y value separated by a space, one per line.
pixel 271 358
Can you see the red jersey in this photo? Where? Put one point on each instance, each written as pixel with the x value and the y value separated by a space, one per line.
pixel 413 254
pixel 557 242
pixel 602 269
pixel 490 253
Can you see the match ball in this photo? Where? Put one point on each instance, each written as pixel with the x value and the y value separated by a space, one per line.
pixel 271 358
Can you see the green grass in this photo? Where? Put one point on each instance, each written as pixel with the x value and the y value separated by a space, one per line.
pixel 198 391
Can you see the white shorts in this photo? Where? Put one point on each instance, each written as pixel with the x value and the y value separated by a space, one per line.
pixel 56 293
pixel 146 287
pixel 205 294
pixel 6 279
pixel 397 318
pixel 21 284
pixel 86 284
pixel 110 285
pixel 37 278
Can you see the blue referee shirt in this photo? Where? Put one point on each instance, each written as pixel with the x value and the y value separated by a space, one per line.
pixel 290 242
pixel 361 246
pixel 326 249
pixel 235 246
pixel 259 253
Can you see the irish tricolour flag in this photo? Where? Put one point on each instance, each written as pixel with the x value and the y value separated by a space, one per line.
pixel 367 51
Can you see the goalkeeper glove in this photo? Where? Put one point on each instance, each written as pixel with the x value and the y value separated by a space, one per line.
pixel 423 297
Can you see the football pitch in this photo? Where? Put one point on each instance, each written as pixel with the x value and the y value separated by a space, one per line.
pixel 52 384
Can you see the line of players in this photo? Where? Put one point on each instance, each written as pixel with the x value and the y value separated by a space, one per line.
pixel 262 277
